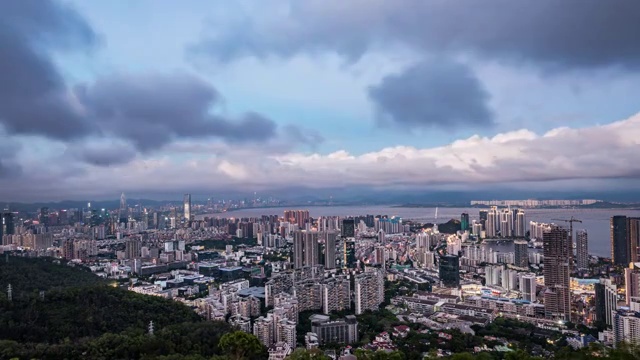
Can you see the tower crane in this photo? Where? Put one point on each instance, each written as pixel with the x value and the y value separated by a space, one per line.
pixel 570 221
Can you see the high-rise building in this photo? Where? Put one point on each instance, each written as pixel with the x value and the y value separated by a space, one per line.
pixel 336 295
pixel 348 228
pixel 557 250
pixel 506 223
pixel 349 254
pixel 509 279
pixel 305 248
pixel 342 331
pixel 263 329
pixel 625 237
pixel 286 332
pixel 521 253
pixel 44 216
pixel 620 248
pixel 450 271
pixel 631 283
pixel 7 226
pixel 528 287
pixel 491 225
pixel 606 301
pixel 520 224
pixel 187 207
pixel 299 217
pixel 369 290
pixel 330 250
pixel 132 249
pixel 626 327
pixel 309 295
pixel 483 218
pixel 464 222
pixel 493 275
pixel 582 249
pixel 123 212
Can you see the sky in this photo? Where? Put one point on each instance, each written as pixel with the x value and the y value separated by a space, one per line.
pixel 158 97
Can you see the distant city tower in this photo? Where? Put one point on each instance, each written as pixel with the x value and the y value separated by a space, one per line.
pixel 123 212
pixel 187 207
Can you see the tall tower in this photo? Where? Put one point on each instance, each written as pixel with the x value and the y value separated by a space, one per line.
pixel 123 212
pixel 187 207
pixel 305 248
pixel 620 249
pixel 520 224
pixel 330 250
pixel 464 222
pixel 492 222
pixel 557 250
pixel 582 249
pixel 521 253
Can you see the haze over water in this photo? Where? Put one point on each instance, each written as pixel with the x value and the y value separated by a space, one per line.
pixel 595 221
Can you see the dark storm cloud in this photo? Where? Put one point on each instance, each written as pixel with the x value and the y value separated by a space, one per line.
pixel 550 33
pixel 148 111
pixel 434 93
pixel 33 95
pixel 151 111
pixel 101 154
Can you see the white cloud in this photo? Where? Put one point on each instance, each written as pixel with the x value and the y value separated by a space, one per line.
pixel 576 154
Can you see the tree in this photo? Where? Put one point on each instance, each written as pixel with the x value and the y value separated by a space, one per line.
pixel 239 345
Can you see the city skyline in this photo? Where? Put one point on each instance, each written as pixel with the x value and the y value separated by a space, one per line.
pixel 237 104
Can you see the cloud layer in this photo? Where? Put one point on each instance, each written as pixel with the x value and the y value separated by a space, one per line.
pixel 445 68
pixel 573 33
pixel 440 93
pixel 601 152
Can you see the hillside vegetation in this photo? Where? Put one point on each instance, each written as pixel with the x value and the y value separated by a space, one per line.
pixel 81 316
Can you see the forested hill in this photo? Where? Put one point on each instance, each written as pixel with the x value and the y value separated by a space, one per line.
pixel 81 316
pixel 28 275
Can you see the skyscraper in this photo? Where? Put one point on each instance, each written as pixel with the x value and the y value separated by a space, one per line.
pixel 464 222
pixel 305 248
pixel 582 249
pixel 348 228
pixel 123 212
pixel 520 226
pixel 450 271
pixel 369 290
pixel 6 224
pixel 506 223
pixel 483 218
pixel 521 258
pixel 556 250
pixel 300 217
pixel 330 250
pixel 491 223
pixel 631 283
pixel 625 236
pixel 44 216
pixel 187 207
pixel 606 301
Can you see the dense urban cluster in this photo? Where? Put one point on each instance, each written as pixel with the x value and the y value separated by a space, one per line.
pixel 296 281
